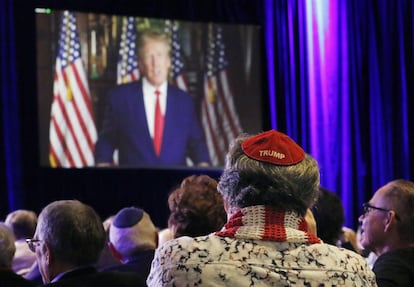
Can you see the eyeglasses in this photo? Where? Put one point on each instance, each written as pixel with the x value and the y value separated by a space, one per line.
pixel 368 207
pixel 33 243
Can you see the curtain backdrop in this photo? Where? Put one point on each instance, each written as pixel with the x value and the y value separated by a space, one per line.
pixel 11 191
pixel 340 82
pixel 344 73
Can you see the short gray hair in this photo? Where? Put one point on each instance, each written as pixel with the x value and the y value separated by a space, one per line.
pixel 247 182
pixel 23 223
pixel 401 194
pixel 73 231
pixel 7 247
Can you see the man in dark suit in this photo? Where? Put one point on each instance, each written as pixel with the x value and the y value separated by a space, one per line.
pixel 150 122
pixel 387 230
pixel 133 239
pixel 68 240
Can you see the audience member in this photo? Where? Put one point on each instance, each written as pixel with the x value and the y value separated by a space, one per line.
pixel 387 230
pixel 23 223
pixel 68 240
pixel 133 239
pixel 8 278
pixel 268 185
pixel 196 207
pixel 329 216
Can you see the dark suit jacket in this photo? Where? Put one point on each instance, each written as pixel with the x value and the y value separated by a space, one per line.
pixel 125 127
pixel 10 279
pixel 141 264
pixel 89 276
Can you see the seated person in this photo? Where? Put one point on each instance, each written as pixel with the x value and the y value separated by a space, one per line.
pixel 268 185
pixel 23 223
pixel 330 218
pixel 196 208
pixel 387 230
pixel 8 278
pixel 68 240
pixel 133 239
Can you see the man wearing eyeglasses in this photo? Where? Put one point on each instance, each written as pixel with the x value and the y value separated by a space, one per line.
pixel 68 240
pixel 387 229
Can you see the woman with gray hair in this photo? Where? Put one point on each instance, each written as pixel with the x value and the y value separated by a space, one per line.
pixel 268 185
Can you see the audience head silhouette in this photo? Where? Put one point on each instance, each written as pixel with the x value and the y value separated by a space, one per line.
pixel 329 216
pixel 7 247
pixel 69 234
pixel 269 169
pixel 196 208
pixel 7 250
pixel 131 232
pixel 23 222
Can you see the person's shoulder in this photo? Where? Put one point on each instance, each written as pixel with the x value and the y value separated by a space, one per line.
pixel 103 279
pixel 397 257
pixel 395 268
pixel 123 89
pixel 339 253
pixel 185 244
pixel 126 277
pixel 176 91
pixel 9 278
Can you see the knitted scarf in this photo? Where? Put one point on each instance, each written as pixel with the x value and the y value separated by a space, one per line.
pixel 266 223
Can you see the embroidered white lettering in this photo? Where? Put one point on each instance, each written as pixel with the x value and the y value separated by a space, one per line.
pixel 272 153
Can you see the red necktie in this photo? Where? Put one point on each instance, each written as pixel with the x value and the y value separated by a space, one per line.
pixel 158 124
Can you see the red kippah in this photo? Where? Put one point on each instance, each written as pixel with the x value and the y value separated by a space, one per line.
pixel 273 147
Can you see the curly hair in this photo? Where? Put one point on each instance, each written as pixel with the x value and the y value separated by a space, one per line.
pixel 196 208
pixel 247 182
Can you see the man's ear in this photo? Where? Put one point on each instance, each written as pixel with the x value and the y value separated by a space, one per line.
pixel 389 220
pixel 114 252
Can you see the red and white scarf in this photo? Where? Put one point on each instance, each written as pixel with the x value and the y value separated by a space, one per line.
pixel 266 223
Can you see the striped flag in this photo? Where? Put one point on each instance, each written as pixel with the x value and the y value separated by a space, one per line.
pixel 72 132
pixel 220 120
pixel 127 69
pixel 178 76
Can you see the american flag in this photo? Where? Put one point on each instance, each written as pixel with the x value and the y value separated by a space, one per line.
pixel 127 70
pixel 72 132
pixel 219 117
pixel 178 76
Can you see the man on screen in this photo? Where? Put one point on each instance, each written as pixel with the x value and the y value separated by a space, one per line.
pixel 150 122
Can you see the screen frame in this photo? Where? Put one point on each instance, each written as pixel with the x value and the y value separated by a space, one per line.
pixel 244 84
